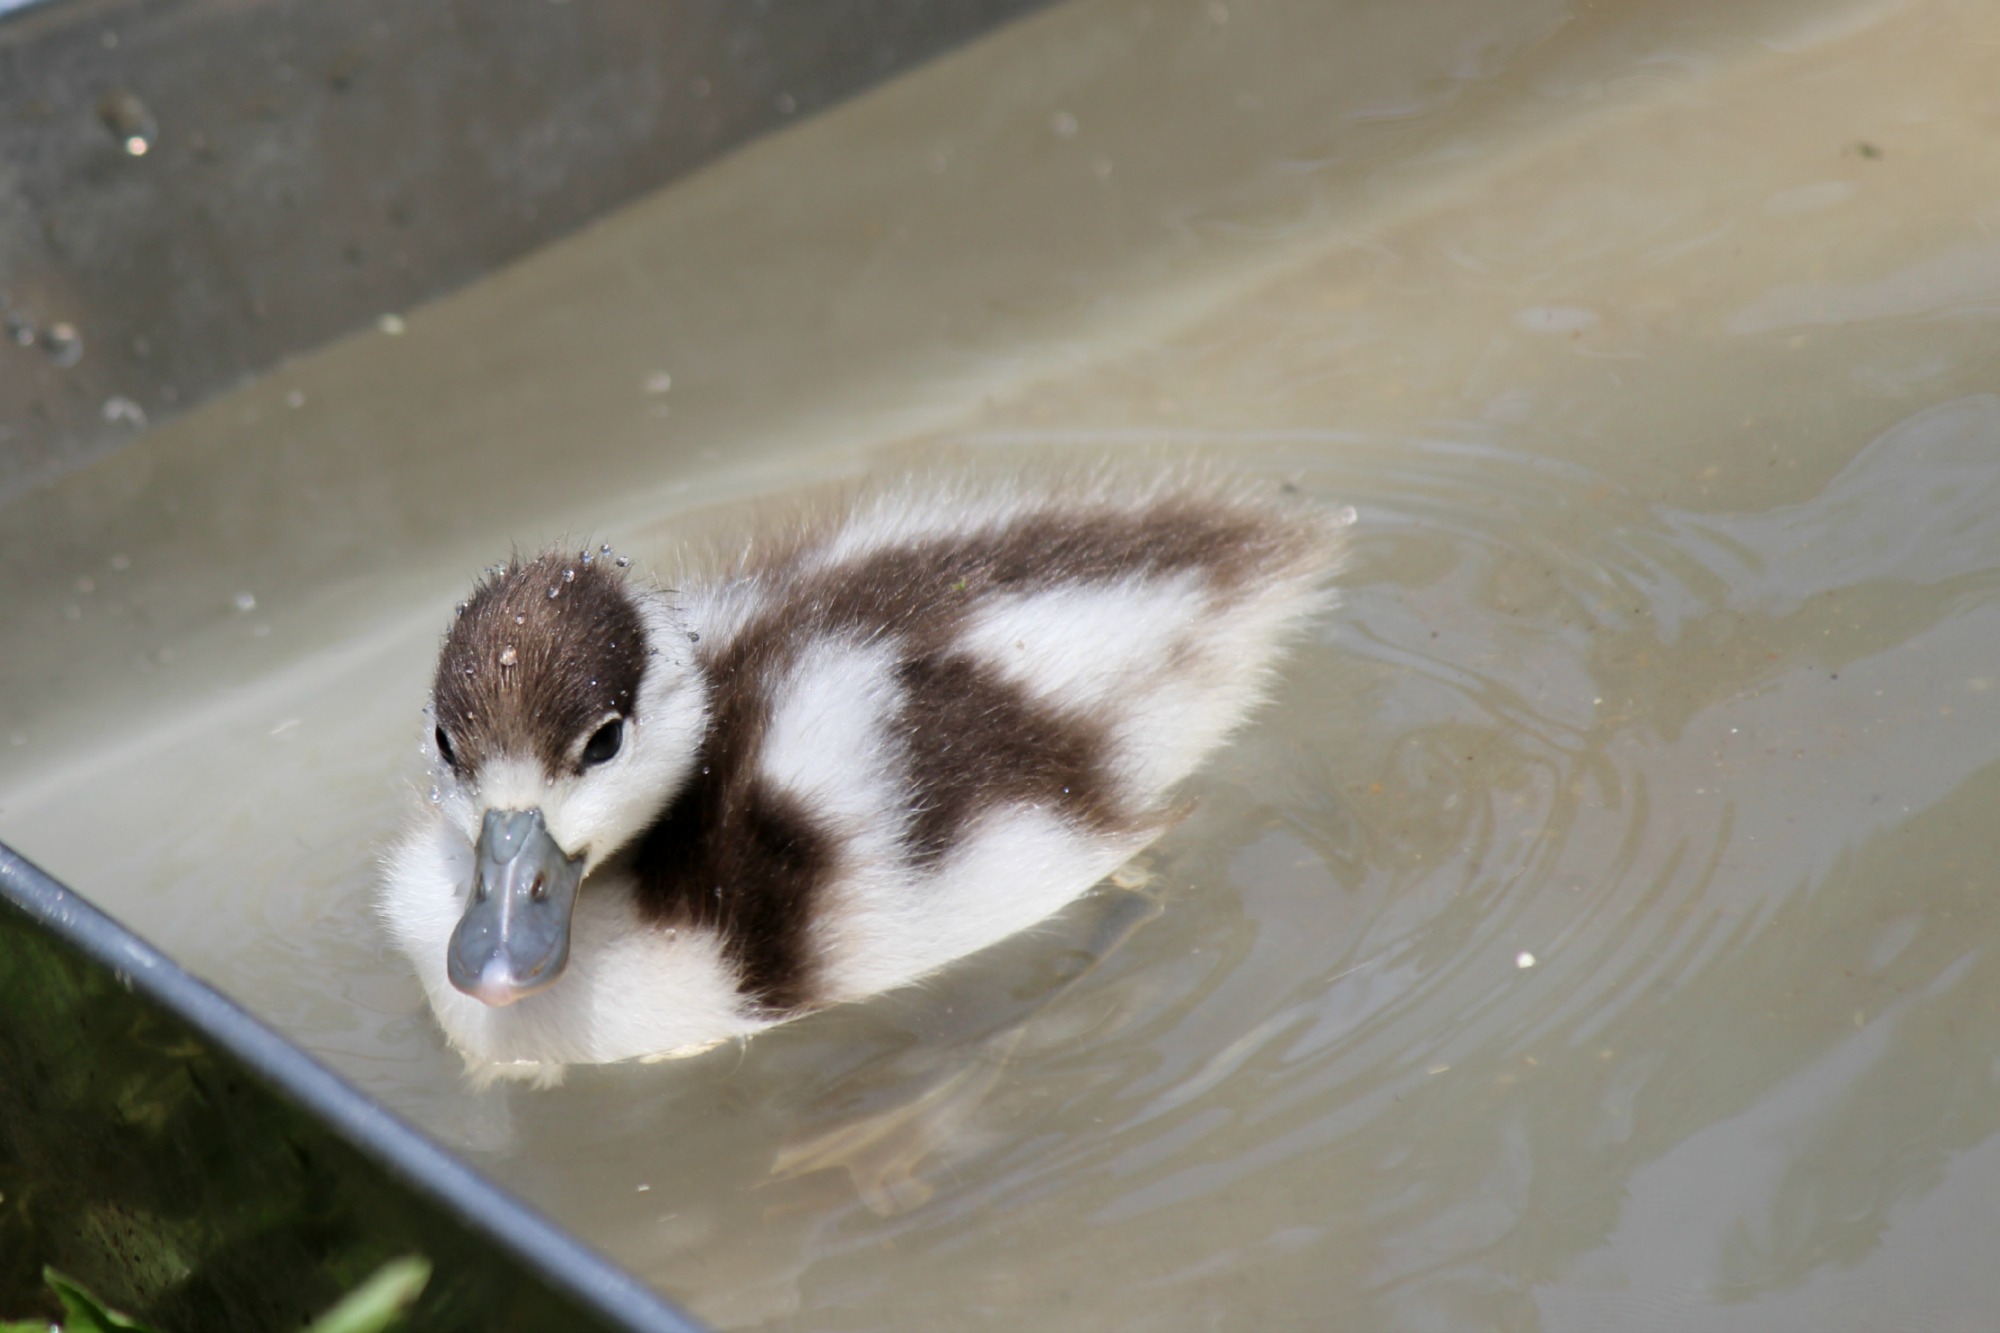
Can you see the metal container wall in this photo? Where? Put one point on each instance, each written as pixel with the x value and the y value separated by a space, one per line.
pixel 189 1164
pixel 195 189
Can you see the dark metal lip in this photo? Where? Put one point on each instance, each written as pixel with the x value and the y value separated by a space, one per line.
pixel 561 1260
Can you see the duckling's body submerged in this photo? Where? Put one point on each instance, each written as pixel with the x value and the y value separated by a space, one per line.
pixel 872 746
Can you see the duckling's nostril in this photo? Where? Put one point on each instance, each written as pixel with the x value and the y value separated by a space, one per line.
pixel 538 888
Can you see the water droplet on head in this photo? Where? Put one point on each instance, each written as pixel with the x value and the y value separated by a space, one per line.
pixel 20 329
pixel 569 576
pixel 459 610
pixel 508 656
pixel 520 620
pixel 693 637
pixel 587 556
pixel 1346 516
pixel 555 592
pixel 437 797
pixel 624 562
pixel 130 123
pixel 604 549
pixel 468 671
pixel 120 408
pixel 63 344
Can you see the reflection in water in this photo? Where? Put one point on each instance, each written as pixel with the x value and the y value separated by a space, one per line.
pixel 1914 507
pixel 1595 931
pixel 952 1046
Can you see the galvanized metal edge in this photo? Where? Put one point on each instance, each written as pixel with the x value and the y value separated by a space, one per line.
pixel 557 1257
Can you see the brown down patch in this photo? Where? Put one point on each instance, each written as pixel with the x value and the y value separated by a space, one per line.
pixel 537 657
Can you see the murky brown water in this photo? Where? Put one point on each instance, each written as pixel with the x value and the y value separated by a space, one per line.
pixel 1599 932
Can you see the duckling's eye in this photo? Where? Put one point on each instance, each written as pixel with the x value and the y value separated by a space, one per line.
pixel 604 743
pixel 445 752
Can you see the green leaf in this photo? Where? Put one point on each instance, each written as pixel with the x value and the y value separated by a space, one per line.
pixel 26 1326
pixel 84 1313
pixel 375 1304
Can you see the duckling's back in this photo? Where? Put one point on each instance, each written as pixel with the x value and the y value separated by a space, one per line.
pixel 941 717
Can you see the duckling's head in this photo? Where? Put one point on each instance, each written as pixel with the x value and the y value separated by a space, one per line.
pixel 565 714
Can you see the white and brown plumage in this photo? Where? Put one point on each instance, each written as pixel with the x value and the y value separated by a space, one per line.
pixel 856 752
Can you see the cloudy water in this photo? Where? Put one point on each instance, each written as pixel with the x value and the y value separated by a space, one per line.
pixel 1598 930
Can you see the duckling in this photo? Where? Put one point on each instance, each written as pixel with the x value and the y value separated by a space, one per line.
pixel 862 747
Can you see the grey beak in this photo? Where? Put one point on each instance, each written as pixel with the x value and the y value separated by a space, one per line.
pixel 514 937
